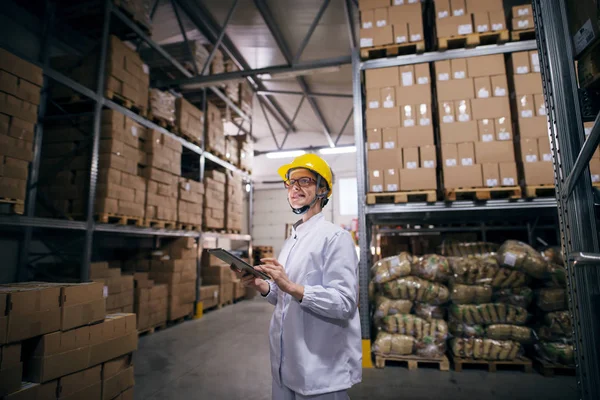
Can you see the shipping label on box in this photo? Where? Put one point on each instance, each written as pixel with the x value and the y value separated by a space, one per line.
pixel 499 86
pixel 373 98
pixel 520 63
pixel 544 149
pixel 423 114
pixel 407 75
pixel 422 74
pixel 490 174
pixel 391 180
pixel 442 9
pixel 388 97
pixel 367 18
pixel 522 23
pixel 415 30
pixel 380 16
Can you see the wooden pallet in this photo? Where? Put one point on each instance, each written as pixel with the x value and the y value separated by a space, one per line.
pixel 168 125
pixel 413 362
pixel 180 319
pixel 519 363
pixel 430 196
pixel 549 369
pixel 191 139
pixel 390 50
pixel 527 34
pixel 233 231
pixel 188 227
pixel 540 191
pixel 510 192
pixel 473 40
pixel 12 206
pixel 150 331
pixel 125 102
pixel 119 219
pixel 157 224
pixel 225 303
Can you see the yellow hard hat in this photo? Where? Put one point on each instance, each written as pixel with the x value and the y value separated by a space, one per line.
pixel 311 162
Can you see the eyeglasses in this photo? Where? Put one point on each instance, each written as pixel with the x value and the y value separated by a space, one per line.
pixel 302 182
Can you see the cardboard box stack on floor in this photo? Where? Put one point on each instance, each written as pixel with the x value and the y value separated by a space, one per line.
pixel 190 202
pixel 401 153
pixel 463 17
pixel 383 22
pixel 234 201
pixel 216 272
pixel 475 123
pixel 522 17
pixel 535 154
pixel 215 138
pixel 150 302
pixel 209 296
pixel 189 120
pixel 127 76
pixel 162 176
pixel 20 90
pixel 176 266
pixel 214 200
pixel 120 189
pixel 118 288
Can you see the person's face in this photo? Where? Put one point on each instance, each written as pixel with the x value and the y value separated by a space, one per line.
pixel 303 189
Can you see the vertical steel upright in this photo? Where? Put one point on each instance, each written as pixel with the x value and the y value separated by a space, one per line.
pixel 576 212
pixel 84 272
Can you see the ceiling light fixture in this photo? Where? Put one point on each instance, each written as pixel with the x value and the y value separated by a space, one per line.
pixel 285 154
pixel 338 150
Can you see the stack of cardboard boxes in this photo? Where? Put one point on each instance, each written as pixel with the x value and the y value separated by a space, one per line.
pixel 162 174
pixel 463 17
pixel 595 161
pixel 189 120
pixel 151 302
pixel 246 152
pixel 120 190
pixel 232 151
pixel 536 157
pixel 214 200
pixel 162 106
pixel 190 202
pixel 215 138
pixel 246 97
pixel 209 296
pixel 20 87
pixel 401 154
pixel 383 23
pixel 522 17
pixel 216 272
pixel 234 200
pixel 118 288
pixel 475 123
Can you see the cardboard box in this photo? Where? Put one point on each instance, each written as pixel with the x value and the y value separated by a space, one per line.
pixel 499 86
pixel 380 16
pixel 34 391
pixel 423 114
pixel 540 105
pixel 525 106
pixel 497 20
pixel 454 26
pixel 442 9
pixel 486 66
pixel 408 115
pixel 117 377
pixel 483 87
pixel 495 107
pixel 373 98
pixel 503 126
pixel 458 7
pixel 520 63
pixel 458 133
pixel 463 110
pixel 524 10
pixel 481 21
pixel 391 179
pixel 466 154
pixel 367 19
pixel 595 170
pixel 400 33
pixel 415 136
pixel 443 71
pixel 417 94
pixel 10 379
pixel 383 118
pixel 364 5
pixel 410 10
pixel 388 97
pixel 422 74
pixel 523 23
pixel 528 84
pixel 415 30
pixel 544 148
pixel 450 155
pixel 84 384
pixel 490 174
pixel 418 179
pixel 533 127
pixel 539 173
pixel 410 158
pixel 462 176
pixel 584 24
pixel 376 36
pixel 374 139
pixel 446 110
pixel 487 130
pixel 458 67
pixel 529 150
pixel 455 89
pixel 494 152
pixel 427 156
pixel 382 77
pixel 389 138
pixel 508 174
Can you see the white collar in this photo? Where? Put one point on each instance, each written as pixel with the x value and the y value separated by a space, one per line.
pixel 301 228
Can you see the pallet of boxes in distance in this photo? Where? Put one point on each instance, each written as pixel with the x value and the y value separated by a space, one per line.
pixel 391 29
pixel 401 155
pixel 522 23
pixel 469 23
pixel 234 199
pixel 215 272
pixel 58 338
pixel 20 91
pixel 478 155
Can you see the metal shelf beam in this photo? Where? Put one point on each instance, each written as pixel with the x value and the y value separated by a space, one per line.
pixel 442 207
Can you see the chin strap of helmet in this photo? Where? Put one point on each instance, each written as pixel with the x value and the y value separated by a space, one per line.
pixel 304 209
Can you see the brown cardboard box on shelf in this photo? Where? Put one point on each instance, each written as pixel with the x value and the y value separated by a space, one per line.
pixel 410 158
pixel 423 114
pixel 84 384
pixel 508 174
pixel 415 30
pixel 528 84
pixel 522 23
pixel 373 98
pixel 458 7
pixel 427 156
pixel 519 63
pixel 209 296
pixel 380 15
pixel 417 94
pixel 422 74
pixel 529 150
pixel 446 110
pixel 481 22
pixel 391 179
pixel 533 127
pixel 367 19
pixel 364 5
pixel 34 391
pixel 540 105
pixel 494 152
pixel 226 293
pixel 11 369
pixel 407 75
pixel 455 89
pixel 388 97
pixel 21 68
pixel 442 9
pixel 487 130
pixel 382 77
pixel 189 119
pixel 459 132
pixel 583 26
pixel 408 115
pixel 525 106
pixel 490 174
pixel 19 87
pixel 458 68
pixel 486 66
pixel 443 70
pixel 374 139
pixel 376 36
pixel 462 108
pixel 503 126
pixel 462 176
pixel 408 13
pixel 400 33
pixel 544 149
pixel 417 179
pixel 415 136
pixel 466 154
pixel 375 166
pixel 389 138
pixel 497 21
pixel 539 173
pixel 483 87
pixel 383 118
pixel 495 107
pixel 450 155
pixel 454 26
pixel 499 85
pixel 117 377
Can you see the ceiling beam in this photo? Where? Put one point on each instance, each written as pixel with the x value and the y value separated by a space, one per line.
pixel 350 23
pixel 220 38
pixel 311 30
pixel 311 94
pixel 265 12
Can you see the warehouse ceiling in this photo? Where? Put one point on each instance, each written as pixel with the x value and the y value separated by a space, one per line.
pixel 255 42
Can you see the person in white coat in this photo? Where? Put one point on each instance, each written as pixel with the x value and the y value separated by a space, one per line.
pixel 315 336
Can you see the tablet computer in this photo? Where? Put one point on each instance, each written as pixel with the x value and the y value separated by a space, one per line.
pixel 240 264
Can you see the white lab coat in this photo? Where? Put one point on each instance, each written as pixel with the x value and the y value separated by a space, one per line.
pixel 316 344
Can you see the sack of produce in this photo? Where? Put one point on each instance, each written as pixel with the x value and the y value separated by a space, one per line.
pixel 385 307
pixel 460 329
pixel 391 344
pixel 517 255
pixel 521 297
pixel 553 255
pixel 489 314
pixel 430 348
pixel 552 299
pixel 461 249
pixel 411 325
pixel 485 271
pixel 429 312
pixel 416 289
pixel 556 352
pixel 485 349
pixel 391 268
pixel 431 267
pixel 557 276
pixel 470 294
pixel 557 326
pixel 521 334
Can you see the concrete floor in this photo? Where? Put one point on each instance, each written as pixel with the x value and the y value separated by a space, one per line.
pixel 225 355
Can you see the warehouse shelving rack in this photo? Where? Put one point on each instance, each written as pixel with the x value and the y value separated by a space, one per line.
pixel 25 224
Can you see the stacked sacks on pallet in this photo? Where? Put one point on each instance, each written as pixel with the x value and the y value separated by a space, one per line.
pixel 408 315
